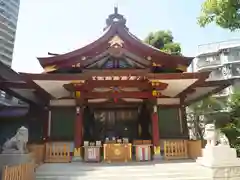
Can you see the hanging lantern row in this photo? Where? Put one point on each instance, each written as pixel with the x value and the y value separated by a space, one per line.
pixel 155 84
pixel 77 94
pixel 156 93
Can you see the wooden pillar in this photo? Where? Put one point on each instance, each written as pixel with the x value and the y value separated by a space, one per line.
pixel 78 127
pixel 155 133
pixel 47 124
pixel 78 137
pixel 184 121
pixel 183 118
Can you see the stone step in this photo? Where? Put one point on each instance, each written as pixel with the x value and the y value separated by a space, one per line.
pixel 168 171
pixel 126 172
pixel 125 178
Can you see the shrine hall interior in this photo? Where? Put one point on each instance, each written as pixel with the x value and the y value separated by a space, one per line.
pixel 115 83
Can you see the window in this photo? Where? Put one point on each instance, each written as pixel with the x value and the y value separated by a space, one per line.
pixel 209 59
pixel 2 94
pixel 8 52
pixel 2 4
pixel 109 64
pixel 123 64
pixel 2 11
pixel 16 1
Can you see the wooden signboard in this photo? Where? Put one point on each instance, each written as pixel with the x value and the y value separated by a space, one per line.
pixel 92 153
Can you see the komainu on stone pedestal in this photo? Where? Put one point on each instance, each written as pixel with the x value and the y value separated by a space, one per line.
pixel 18 143
pixel 218 156
pixel 215 136
pixel 210 135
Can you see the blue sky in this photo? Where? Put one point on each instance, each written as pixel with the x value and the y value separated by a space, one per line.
pixel 59 26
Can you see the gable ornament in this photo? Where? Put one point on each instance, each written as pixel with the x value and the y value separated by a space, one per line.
pixel 116 40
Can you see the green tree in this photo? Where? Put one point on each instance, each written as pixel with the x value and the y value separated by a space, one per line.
pixel 205 111
pixel 225 13
pixel 232 129
pixel 163 40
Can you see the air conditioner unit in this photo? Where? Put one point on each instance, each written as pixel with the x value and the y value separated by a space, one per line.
pixel 225 51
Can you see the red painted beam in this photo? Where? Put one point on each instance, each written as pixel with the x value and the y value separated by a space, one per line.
pixel 101 74
pixel 90 85
pixel 121 84
pixel 100 95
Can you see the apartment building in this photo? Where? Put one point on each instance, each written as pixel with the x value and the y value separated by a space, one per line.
pixel 9 10
pixel 223 60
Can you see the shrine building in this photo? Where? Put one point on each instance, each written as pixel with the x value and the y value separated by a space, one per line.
pixel 114 93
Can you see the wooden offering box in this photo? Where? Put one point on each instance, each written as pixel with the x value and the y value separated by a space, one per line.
pixel 143 150
pixel 117 152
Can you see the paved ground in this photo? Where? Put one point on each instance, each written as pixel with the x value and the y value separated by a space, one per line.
pixel 173 170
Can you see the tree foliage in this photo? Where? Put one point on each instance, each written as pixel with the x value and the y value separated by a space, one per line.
pixel 208 110
pixel 211 110
pixel 225 13
pixel 232 129
pixel 163 40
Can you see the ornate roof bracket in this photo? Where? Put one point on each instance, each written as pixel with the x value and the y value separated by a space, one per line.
pixel 115 18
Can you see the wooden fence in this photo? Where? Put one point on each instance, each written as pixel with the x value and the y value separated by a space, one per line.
pixel 19 172
pixel 175 149
pixel 57 153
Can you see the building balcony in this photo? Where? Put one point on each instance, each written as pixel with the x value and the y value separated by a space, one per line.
pixel 215 75
pixel 233 59
pixel 223 93
pixel 6 54
pixel 208 64
pixel 6 34
pixel 216 46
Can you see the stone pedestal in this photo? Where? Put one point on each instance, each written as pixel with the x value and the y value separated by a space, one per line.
pixel 221 155
pixel 157 153
pixel 157 157
pixel 14 159
pixel 222 161
pixel 77 159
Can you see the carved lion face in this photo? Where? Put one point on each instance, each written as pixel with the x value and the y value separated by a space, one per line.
pixel 209 127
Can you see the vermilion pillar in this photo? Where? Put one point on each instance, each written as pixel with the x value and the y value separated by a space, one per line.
pixel 155 133
pixel 78 128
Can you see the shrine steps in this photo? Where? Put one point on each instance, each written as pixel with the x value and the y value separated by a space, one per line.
pixel 163 171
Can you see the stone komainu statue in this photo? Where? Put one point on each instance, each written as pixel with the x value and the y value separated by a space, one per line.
pixel 18 143
pixel 214 137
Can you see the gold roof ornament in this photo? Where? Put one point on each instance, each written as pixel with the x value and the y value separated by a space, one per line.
pixel 76 65
pixel 50 68
pixel 156 65
pixel 149 58
pixel 181 67
pixel 116 40
pixel 77 82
